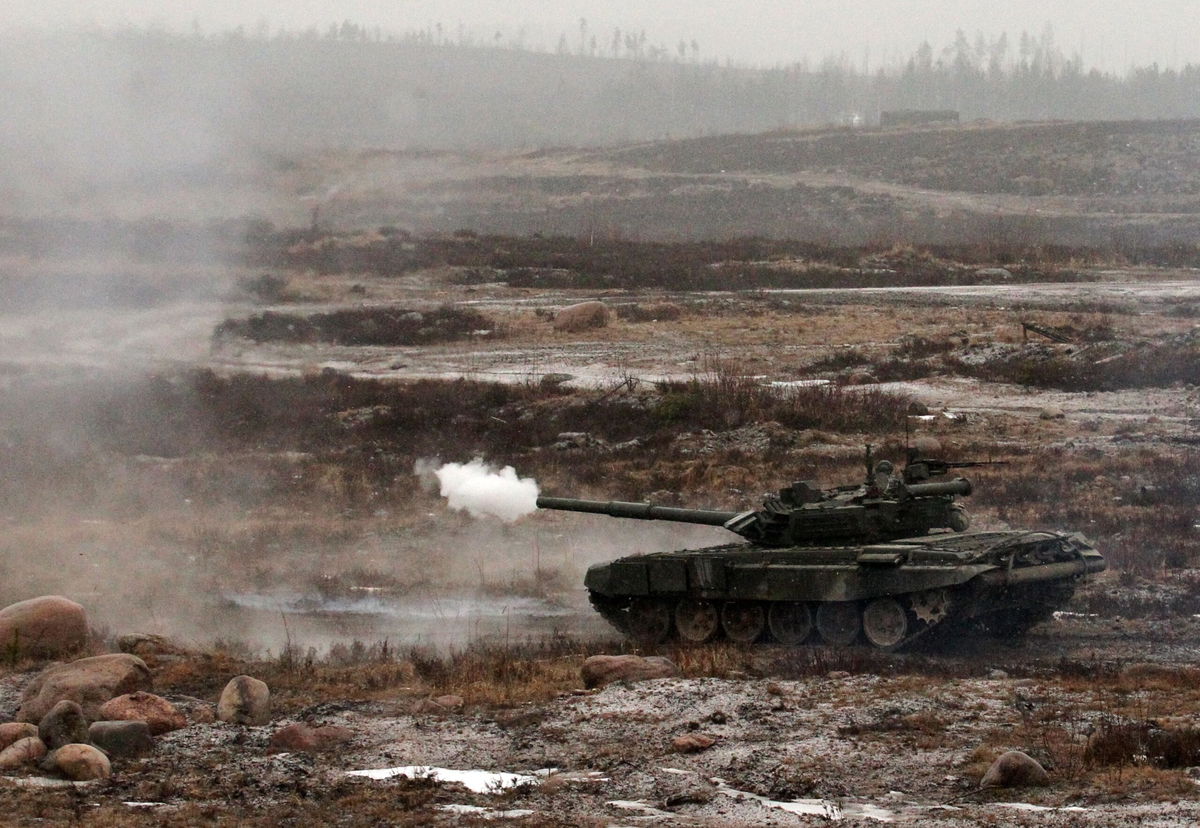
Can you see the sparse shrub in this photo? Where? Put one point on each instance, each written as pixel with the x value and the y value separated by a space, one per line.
pixel 722 400
pixel 1134 743
pixel 361 326
pixel 266 287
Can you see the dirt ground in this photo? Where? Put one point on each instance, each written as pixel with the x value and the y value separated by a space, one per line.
pixel 906 746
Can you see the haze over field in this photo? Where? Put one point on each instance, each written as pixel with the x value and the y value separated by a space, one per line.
pixel 1110 34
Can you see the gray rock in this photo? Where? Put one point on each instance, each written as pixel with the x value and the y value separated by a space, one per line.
pixel 126 739
pixel 197 711
pixel 245 700
pixel 1015 769
pixel 148 645
pixel 63 725
pixel 927 446
pixel 998 273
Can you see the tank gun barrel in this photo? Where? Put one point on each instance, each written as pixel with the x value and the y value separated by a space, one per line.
pixel 638 511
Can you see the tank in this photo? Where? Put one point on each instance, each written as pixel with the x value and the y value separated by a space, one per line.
pixel 833 567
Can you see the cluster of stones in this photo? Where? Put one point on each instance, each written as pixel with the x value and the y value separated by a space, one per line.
pixel 76 717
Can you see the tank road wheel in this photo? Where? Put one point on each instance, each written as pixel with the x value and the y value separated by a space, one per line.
pixel 649 621
pixel 697 621
pixel 838 622
pixel 743 621
pixel 790 622
pixel 885 623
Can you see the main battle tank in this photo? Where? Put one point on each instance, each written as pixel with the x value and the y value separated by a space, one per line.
pixel 840 565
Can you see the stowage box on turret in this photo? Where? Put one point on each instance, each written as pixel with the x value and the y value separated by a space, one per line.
pixel 871 561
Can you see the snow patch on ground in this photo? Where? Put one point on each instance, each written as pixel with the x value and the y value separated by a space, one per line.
pixel 479 781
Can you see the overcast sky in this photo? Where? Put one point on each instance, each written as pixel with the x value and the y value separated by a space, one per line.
pixel 1109 33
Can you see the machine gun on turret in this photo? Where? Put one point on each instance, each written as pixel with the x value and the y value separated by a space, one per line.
pixel 920 469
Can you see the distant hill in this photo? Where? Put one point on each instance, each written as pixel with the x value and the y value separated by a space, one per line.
pixel 147 96
pixel 1123 159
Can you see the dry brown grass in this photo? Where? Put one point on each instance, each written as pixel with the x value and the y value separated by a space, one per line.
pixel 487 675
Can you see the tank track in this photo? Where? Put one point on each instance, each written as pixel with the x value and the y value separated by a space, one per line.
pixel 943 611
pixel 616 612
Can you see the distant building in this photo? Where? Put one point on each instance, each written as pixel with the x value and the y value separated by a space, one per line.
pixel 917 117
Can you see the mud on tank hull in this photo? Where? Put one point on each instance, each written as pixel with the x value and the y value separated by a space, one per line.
pixel 887 595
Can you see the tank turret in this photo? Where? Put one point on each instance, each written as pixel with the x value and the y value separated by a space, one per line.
pixel 885 506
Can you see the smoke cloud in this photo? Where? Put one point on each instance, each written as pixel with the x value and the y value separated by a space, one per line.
pixel 482 490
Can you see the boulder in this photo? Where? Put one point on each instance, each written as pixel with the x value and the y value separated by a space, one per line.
pixel 581 317
pixel 1002 274
pixel 148 645
pixel 155 711
pixel 81 763
pixel 600 670
pixel 1015 769
pixel 197 711
pixel 927 447
pixel 47 626
pixel 440 704
pixel 245 700
pixel 63 725
pixel 22 752
pixel 13 731
pixel 90 682
pixel 693 742
pixel 126 739
pixel 307 738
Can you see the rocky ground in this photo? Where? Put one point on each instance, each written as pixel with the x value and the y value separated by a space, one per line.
pixel 903 741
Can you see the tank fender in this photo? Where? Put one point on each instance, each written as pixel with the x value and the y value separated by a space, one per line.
pixel 618 578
